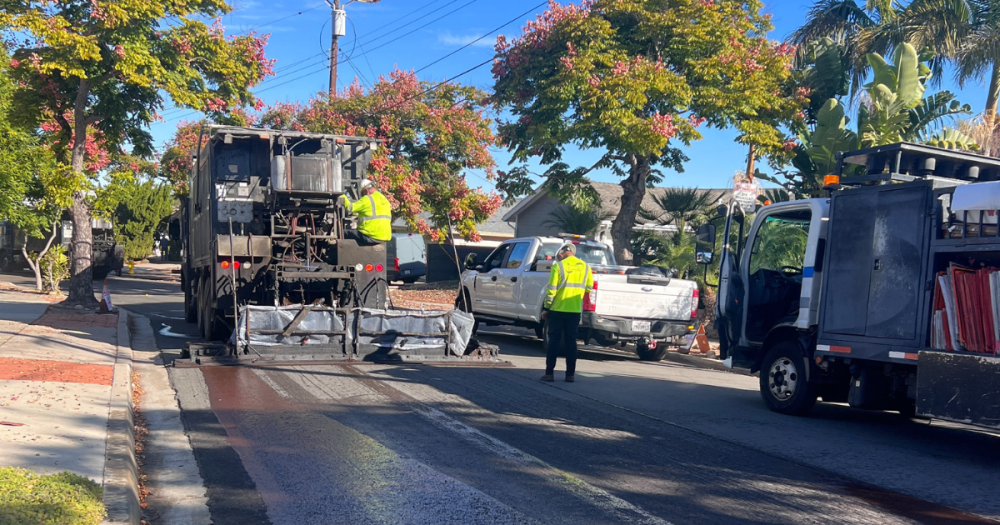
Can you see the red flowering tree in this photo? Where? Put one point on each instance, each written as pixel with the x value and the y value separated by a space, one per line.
pixel 100 69
pixel 636 78
pixel 431 138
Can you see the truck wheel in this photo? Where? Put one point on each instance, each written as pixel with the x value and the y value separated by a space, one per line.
pixel 4 261
pixel 540 332
pixel 646 353
pixel 783 382
pixel 211 327
pixel 190 310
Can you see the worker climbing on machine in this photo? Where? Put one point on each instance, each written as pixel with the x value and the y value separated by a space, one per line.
pixel 569 280
pixel 374 215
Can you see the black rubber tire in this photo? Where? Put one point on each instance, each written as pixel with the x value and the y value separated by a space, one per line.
pixel 190 308
pixel 466 305
pixel 646 353
pixel 212 328
pixel 786 359
pixel 200 306
pixel 5 261
pixel 540 332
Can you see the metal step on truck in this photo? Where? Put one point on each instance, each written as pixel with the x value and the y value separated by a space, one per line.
pixel 267 270
pixel 882 296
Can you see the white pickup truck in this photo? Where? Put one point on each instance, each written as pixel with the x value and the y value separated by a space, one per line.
pixel 640 305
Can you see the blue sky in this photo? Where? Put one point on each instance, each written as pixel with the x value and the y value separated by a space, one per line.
pixel 411 34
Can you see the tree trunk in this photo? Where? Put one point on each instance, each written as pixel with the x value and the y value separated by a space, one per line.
pixel 992 100
pixel 36 266
pixel 634 189
pixel 81 285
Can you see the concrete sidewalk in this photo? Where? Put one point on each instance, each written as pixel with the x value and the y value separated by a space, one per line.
pixel 65 397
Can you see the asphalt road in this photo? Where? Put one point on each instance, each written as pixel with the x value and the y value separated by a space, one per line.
pixel 628 442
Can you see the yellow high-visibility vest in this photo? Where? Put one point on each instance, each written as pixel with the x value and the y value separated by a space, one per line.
pixel 374 215
pixel 569 280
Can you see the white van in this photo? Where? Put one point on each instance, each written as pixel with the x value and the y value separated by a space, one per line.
pixel 406 255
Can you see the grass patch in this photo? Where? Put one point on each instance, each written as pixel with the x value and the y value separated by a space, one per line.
pixel 27 498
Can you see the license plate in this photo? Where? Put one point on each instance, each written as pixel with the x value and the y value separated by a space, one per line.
pixel 640 326
pixel 406 272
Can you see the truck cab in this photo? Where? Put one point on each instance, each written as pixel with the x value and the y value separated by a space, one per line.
pixel 886 295
pixel 769 274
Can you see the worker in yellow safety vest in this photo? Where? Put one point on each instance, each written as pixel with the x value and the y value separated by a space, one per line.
pixel 374 215
pixel 569 280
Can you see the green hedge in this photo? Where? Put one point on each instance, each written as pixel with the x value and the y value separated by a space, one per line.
pixel 27 498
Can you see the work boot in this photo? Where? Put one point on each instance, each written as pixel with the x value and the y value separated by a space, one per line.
pixel 570 379
pixel 548 378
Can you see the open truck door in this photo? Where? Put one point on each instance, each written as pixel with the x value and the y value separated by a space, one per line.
pixel 730 300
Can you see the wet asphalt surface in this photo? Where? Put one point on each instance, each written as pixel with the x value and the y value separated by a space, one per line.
pixel 423 444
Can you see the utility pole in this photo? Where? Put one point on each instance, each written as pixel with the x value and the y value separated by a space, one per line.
pixel 334 36
pixel 337 30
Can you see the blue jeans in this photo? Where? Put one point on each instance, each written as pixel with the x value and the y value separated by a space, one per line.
pixel 563 327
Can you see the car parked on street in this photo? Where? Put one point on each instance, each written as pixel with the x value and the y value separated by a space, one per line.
pixel 642 305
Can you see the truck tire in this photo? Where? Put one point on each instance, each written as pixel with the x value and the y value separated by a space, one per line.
pixel 5 261
pixel 783 384
pixel 540 332
pixel 646 353
pixel 190 309
pixel 212 328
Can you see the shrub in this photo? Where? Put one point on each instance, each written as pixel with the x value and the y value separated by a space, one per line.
pixel 27 498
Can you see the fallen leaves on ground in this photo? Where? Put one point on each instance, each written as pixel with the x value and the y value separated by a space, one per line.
pixel 429 299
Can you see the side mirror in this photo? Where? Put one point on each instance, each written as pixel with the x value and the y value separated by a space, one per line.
pixel 470 261
pixel 705 244
pixel 722 210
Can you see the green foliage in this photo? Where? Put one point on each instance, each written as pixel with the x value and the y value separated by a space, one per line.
pixel 824 74
pixel 24 166
pixel 779 243
pixel 54 266
pixel 635 79
pixel 578 221
pixel 896 111
pixel 27 498
pixel 138 209
pixel 682 207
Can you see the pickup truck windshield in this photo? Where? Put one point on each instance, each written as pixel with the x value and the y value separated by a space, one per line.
pixel 594 255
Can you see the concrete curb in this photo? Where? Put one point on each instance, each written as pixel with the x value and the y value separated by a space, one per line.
pixel 703 362
pixel 121 471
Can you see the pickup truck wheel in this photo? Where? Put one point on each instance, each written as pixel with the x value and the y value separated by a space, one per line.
pixel 646 353
pixel 783 382
pixel 540 332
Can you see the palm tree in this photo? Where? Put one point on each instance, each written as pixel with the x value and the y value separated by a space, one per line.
pixel 979 55
pixel 578 221
pixel 681 207
pixel 937 28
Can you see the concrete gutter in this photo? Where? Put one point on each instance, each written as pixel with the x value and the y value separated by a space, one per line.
pixel 121 471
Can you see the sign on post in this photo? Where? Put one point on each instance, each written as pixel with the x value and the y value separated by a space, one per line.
pixel 745 194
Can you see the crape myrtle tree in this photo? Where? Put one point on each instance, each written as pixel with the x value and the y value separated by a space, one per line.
pixel 100 69
pixel 432 136
pixel 636 78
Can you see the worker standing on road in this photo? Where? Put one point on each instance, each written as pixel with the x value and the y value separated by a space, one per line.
pixel 374 215
pixel 569 280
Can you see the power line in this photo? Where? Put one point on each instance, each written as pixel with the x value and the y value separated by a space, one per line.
pixel 283 19
pixel 470 2
pixel 387 24
pixel 505 24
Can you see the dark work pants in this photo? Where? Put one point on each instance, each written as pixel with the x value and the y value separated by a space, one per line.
pixel 363 240
pixel 563 327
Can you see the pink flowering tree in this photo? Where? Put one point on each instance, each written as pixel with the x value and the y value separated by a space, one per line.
pixel 432 140
pixel 636 79
pixel 101 69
